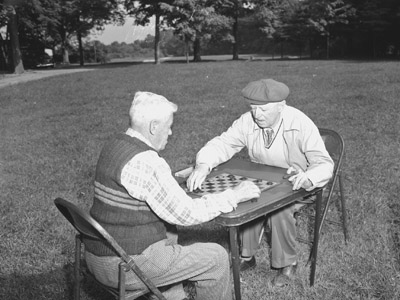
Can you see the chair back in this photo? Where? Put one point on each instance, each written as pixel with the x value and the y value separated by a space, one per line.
pixel 82 221
pixel 334 145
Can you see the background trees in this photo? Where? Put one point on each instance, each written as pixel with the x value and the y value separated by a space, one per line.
pixel 318 28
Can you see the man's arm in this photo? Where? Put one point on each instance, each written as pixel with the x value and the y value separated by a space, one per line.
pixel 320 168
pixel 221 148
pixel 148 177
pixel 218 150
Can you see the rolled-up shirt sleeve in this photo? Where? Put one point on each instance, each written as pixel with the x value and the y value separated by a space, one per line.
pixel 148 177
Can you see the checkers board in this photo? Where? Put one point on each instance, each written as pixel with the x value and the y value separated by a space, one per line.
pixel 221 182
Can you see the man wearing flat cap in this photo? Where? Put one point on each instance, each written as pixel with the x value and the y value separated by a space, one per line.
pixel 278 135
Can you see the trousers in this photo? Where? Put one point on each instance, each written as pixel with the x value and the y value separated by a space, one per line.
pixel 283 237
pixel 164 263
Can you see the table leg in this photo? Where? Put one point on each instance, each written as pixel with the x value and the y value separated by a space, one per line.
pixel 316 237
pixel 234 245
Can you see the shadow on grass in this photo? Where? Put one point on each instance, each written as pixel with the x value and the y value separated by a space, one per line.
pixel 39 286
pixel 59 283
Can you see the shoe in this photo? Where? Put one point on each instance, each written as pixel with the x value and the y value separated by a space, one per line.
pixel 247 264
pixel 284 276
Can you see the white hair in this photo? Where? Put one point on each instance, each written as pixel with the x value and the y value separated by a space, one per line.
pixel 147 106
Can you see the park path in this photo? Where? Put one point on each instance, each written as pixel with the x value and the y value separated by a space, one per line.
pixel 28 75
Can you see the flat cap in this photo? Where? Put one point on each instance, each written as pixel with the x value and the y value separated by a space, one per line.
pixel 265 91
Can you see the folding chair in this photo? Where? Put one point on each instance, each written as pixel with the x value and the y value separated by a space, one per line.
pixel 335 146
pixel 87 227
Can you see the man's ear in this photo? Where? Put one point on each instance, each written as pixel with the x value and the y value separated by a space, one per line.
pixel 282 105
pixel 153 126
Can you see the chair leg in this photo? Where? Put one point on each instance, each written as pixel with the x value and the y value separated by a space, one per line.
pixel 344 211
pixel 121 281
pixel 77 268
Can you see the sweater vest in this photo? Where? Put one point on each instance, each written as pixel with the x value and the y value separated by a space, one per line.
pixel 129 221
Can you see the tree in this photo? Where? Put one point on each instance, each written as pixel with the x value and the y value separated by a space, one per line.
pixel 378 21
pixel 297 27
pixel 36 28
pixel 196 21
pixel 234 9
pixel 10 18
pixel 77 17
pixel 143 11
pixel 95 13
pixel 324 14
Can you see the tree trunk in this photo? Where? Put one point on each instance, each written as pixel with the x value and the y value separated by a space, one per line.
pixel 196 49
pixel 95 52
pixel 187 50
pixel 157 39
pixel 64 48
pixel 373 44
pixel 65 56
pixel 235 29
pixel 311 47
pixel 327 45
pixel 81 60
pixel 17 65
pixel 4 62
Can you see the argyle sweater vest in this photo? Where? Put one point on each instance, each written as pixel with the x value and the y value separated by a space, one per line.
pixel 129 221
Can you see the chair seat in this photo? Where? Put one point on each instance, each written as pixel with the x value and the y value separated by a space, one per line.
pixel 129 294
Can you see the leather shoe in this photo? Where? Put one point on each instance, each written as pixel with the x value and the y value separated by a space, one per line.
pixel 284 276
pixel 247 264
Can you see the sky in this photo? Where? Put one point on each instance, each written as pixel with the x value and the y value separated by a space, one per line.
pixel 127 33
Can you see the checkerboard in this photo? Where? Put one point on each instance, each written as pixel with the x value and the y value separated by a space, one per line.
pixel 221 182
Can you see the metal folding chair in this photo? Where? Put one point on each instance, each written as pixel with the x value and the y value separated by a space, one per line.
pixel 335 146
pixel 87 227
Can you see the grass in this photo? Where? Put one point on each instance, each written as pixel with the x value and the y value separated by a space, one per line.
pixel 52 131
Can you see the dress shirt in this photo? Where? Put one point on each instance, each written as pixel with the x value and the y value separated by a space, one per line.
pixel 148 177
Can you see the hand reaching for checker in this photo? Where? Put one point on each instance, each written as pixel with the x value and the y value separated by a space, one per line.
pixel 197 177
pixel 299 179
pixel 246 190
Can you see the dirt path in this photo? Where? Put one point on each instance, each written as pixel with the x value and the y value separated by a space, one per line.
pixel 10 79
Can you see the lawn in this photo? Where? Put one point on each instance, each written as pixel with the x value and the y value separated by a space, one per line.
pixel 53 129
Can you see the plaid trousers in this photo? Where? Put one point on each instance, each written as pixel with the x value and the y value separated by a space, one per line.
pixel 166 263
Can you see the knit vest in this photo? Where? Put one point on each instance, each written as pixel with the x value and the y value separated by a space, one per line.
pixel 129 221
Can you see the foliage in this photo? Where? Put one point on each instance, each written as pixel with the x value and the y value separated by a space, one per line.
pixel 326 28
pixel 196 21
pixel 326 14
pixel 377 24
pixel 49 24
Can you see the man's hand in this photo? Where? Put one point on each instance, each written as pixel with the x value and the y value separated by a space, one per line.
pixel 197 177
pixel 299 179
pixel 246 190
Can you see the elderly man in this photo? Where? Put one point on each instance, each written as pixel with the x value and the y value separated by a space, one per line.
pixel 136 197
pixel 278 135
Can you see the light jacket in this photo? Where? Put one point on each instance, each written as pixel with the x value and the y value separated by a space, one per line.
pixel 304 147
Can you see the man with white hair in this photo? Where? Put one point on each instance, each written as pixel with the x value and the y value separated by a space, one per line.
pixel 136 197
pixel 278 135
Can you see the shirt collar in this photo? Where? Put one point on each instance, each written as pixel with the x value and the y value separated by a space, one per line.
pixel 133 133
